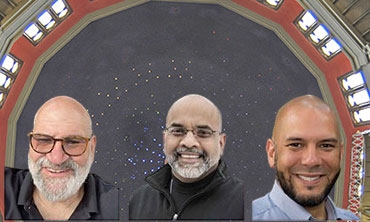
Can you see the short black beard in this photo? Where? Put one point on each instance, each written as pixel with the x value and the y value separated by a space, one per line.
pixel 304 201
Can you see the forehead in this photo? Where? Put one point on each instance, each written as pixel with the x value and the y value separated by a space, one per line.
pixel 193 113
pixel 308 124
pixel 61 121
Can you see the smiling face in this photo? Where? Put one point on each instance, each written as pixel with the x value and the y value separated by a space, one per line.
pixel 57 175
pixel 192 157
pixel 306 151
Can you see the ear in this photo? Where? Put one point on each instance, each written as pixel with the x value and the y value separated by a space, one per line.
pixel 93 144
pixel 341 146
pixel 164 138
pixel 222 142
pixel 164 135
pixel 271 152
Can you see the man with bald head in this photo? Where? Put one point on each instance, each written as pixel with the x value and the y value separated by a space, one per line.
pixel 58 185
pixel 193 184
pixel 306 150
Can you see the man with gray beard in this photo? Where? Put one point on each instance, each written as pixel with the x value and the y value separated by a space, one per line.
pixel 58 185
pixel 194 183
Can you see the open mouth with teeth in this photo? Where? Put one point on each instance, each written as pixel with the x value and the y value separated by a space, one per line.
pixel 309 179
pixel 189 157
pixel 57 172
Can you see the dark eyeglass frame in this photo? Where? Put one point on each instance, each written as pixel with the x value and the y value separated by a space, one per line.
pixel 31 134
pixel 168 129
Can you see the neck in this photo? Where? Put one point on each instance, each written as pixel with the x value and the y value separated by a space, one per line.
pixel 318 212
pixel 64 208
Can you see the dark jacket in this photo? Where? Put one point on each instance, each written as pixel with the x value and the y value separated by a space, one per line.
pixel 223 198
pixel 100 200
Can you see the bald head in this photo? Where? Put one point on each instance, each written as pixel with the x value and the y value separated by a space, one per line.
pixel 196 104
pixel 56 148
pixel 306 151
pixel 192 156
pixel 302 104
pixel 63 109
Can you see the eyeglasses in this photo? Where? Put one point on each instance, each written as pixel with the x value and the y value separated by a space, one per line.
pixel 72 146
pixel 180 131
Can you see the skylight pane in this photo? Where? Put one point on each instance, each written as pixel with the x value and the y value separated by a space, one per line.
pixel 331 47
pixel 353 81
pixel 358 98
pixel 7 83
pixel 38 36
pixel 59 8
pixel 319 34
pixel 362 115
pixel 2 97
pixel 50 24
pixel 47 20
pixel 63 13
pixel 307 21
pixel 273 2
pixel 8 63
pixel 15 68
pixel 3 79
pixel 32 30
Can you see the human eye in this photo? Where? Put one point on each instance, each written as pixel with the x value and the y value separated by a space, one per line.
pixel 177 131
pixel 295 145
pixel 204 132
pixel 43 139
pixel 327 146
pixel 73 141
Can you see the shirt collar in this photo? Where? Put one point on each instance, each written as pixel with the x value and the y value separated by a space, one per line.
pixel 287 205
pixel 87 206
pixel 89 202
pixel 26 191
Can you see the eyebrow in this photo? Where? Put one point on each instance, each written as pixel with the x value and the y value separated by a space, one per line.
pixel 177 125
pixel 293 139
pixel 332 140
pixel 198 127
pixel 67 136
pixel 204 127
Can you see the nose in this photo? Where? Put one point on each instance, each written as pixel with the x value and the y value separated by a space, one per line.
pixel 311 156
pixel 189 140
pixel 57 155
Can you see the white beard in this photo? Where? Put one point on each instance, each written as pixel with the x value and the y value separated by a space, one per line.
pixel 191 171
pixel 59 189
